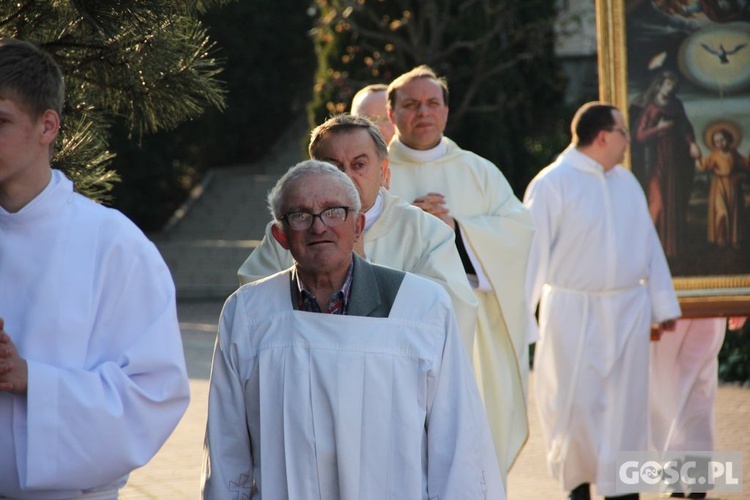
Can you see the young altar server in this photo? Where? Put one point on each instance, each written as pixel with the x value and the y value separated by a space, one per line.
pixel 92 372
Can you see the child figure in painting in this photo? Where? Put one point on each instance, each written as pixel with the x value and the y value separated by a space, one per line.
pixel 726 202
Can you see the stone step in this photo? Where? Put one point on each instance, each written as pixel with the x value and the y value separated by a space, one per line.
pixel 229 204
pixel 211 235
pixel 205 269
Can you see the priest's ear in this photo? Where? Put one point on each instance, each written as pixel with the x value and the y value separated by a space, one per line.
pixel 385 174
pixel 359 226
pixel 601 138
pixel 279 235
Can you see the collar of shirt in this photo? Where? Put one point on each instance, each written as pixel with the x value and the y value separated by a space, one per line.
pixel 339 302
pixel 55 177
pixel 582 161
pixel 375 210
pixel 427 155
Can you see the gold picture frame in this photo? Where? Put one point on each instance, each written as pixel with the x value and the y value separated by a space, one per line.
pixel 701 294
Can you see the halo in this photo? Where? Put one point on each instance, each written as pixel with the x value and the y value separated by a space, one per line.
pixel 715 125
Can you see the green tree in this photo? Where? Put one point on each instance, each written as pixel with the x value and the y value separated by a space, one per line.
pixel 506 85
pixel 265 48
pixel 148 64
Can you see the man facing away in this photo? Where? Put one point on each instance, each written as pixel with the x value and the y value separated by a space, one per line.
pixel 684 383
pixel 396 234
pixel 92 372
pixel 375 399
pixel 492 231
pixel 600 275
pixel 684 368
pixel 369 102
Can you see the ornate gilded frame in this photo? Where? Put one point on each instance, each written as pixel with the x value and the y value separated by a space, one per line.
pixel 721 295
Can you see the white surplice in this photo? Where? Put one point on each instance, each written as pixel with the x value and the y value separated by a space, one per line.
pixel 497 230
pixel 90 305
pixel 403 238
pixel 684 380
pixel 600 275
pixel 318 406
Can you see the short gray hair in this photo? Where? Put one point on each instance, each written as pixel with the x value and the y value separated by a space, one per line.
pixel 345 123
pixel 277 196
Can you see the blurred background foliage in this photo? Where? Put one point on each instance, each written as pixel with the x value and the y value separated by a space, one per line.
pixel 147 66
pixel 268 60
pixel 734 357
pixel 506 84
pixel 160 91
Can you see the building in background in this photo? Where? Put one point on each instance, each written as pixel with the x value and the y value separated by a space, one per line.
pixel 576 48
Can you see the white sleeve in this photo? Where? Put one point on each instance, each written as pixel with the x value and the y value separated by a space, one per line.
pixel 227 451
pixel 461 461
pixel 95 424
pixel 544 206
pixel 664 303
pixel 439 261
pixel 482 279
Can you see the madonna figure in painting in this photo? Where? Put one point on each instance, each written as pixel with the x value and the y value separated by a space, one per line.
pixel 667 141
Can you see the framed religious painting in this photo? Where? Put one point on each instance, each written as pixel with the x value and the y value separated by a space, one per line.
pixel 680 71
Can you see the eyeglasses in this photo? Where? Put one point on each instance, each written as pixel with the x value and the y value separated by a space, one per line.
pixel 331 217
pixel 625 131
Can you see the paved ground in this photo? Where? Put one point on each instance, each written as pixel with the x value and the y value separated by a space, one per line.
pixel 175 471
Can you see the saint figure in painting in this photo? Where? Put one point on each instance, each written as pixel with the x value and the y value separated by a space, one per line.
pixel 726 203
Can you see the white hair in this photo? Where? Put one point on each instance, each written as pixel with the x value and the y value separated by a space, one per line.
pixel 277 196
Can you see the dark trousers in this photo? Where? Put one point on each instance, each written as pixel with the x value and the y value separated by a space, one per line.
pixel 583 492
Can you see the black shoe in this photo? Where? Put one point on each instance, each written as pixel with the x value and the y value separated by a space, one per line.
pixel 629 496
pixel 689 495
pixel 580 492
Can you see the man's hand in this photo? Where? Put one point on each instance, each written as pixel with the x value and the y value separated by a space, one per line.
pixel 664 326
pixel 434 203
pixel 668 325
pixel 736 323
pixel 14 376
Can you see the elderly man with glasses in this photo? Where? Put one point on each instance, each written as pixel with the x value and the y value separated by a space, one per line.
pixel 375 399
pixel 396 234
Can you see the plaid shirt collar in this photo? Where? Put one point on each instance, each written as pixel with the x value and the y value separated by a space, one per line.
pixel 339 302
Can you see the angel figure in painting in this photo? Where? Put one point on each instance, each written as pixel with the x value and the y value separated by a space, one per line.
pixel 726 203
